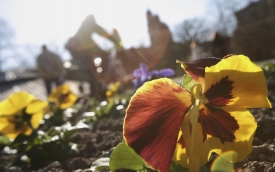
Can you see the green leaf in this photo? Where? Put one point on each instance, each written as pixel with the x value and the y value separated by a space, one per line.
pixel 125 157
pixel 69 130
pixel 187 82
pixel 224 162
pixel 102 162
pixel 204 169
pixel 176 168
pixel 4 140
pixel 69 133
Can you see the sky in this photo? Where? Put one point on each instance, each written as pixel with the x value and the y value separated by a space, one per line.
pixel 53 22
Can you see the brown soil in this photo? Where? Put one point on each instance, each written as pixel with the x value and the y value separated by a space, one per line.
pixel 107 133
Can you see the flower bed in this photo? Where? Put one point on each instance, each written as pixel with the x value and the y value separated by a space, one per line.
pixel 96 127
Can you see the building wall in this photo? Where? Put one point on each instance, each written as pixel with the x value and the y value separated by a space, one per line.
pixel 255 12
pixel 255 34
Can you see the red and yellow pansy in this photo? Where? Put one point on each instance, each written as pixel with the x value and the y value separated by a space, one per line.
pixel 166 122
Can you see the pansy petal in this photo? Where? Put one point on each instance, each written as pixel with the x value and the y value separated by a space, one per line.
pixel 218 123
pixel 196 68
pixel 9 130
pixel 137 83
pixel 246 79
pixel 15 102
pixel 68 101
pixel 114 87
pixel 28 131
pixel 153 120
pixel 109 93
pixel 63 96
pixel 220 93
pixel 137 73
pixel 3 123
pixel 180 155
pixel 165 73
pixel 36 106
pixel 36 119
pixel 145 76
pixel 143 68
pixel 242 145
pixel 62 89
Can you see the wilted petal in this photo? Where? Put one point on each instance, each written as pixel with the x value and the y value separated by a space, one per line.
pixel 153 121
pixel 196 68
pixel 247 81
pixel 15 102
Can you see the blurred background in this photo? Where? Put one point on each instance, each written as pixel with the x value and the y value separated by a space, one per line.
pixel 155 32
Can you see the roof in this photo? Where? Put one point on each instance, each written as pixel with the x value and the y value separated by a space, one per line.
pixel 32 83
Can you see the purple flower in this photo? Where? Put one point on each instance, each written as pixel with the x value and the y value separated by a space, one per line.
pixel 142 74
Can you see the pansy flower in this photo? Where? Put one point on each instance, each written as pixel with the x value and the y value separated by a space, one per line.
pixel 62 96
pixel 142 74
pixel 166 122
pixel 20 113
pixel 112 91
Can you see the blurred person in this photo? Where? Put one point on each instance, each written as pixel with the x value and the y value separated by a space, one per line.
pixel 51 68
pixel 82 46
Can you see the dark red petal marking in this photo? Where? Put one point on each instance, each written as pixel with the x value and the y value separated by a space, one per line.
pixel 153 121
pixel 218 123
pixel 181 142
pixel 220 93
pixel 196 68
pixel 229 55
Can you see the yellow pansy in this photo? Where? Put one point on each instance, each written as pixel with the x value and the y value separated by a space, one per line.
pixel 20 113
pixel 112 91
pixel 62 96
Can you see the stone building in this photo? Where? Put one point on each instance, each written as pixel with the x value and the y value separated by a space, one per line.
pixel 255 34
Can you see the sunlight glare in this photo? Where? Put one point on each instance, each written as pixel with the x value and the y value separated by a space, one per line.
pixel 99 69
pixel 97 61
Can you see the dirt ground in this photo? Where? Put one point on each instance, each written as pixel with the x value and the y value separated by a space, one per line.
pixel 107 133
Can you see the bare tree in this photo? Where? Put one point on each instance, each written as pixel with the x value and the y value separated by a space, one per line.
pixel 195 29
pixel 224 12
pixel 6 35
pixel 13 56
